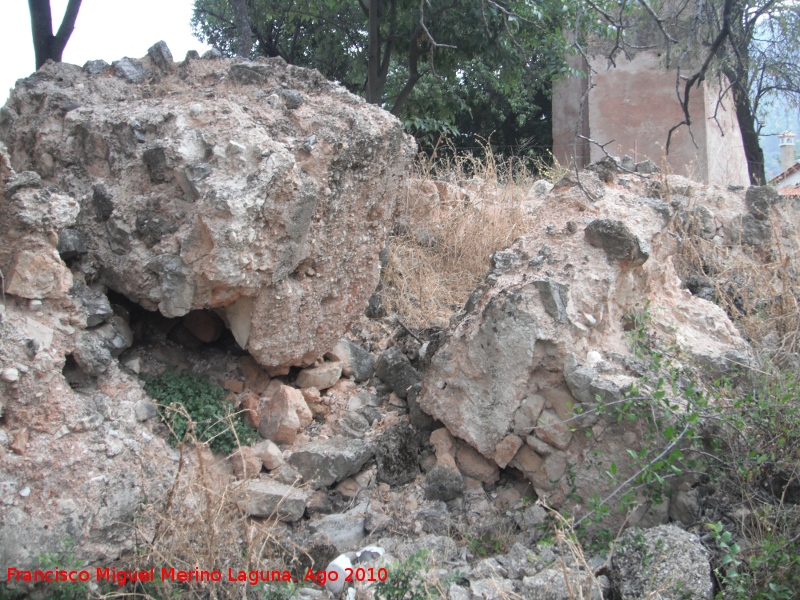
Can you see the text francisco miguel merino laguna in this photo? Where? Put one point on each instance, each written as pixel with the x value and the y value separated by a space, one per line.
pixel 121 577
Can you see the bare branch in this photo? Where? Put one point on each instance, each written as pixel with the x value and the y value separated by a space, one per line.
pixel 659 22
pixel 720 98
pixel 699 76
pixel 67 25
pixel 603 148
pixel 633 477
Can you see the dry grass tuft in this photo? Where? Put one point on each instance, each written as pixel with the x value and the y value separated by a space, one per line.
pixel 202 523
pixel 756 287
pixel 586 584
pixel 456 212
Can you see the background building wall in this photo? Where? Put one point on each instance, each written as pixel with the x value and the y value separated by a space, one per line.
pixel 634 105
pixel 567 95
pixel 727 164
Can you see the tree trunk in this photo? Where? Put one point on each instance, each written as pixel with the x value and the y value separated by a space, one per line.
pixel 413 73
pixel 374 56
pixel 752 148
pixel 747 125
pixel 244 35
pixel 45 44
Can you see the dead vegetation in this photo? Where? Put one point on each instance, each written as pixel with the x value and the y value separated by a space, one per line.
pixel 202 523
pixel 756 286
pixel 455 213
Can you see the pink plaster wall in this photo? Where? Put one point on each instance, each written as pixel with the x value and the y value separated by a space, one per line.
pixel 633 106
pixel 567 94
pixel 727 164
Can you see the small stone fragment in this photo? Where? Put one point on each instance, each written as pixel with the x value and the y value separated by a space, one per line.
pixel 329 461
pixel 396 371
pixel 95 67
pixel 246 464
pixel 351 424
pixel 618 242
pixel 161 56
pixel 263 498
pixel 397 455
pixel 474 465
pixel 255 377
pixel 38 275
pixel 356 361
pixel 250 403
pixel 10 375
pixel 212 54
pixel 144 410
pixel 128 70
pixel 234 386
pixel 292 99
pixel 321 377
pixel 270 455
pixel 19 443
pixel 553 430
pixel 279 420
pixel 70 244
pixel 664 560
pixel 647 167
pixel 506 450
pixel 443 483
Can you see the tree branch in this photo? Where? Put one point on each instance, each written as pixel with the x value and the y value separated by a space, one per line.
pixel 67 26
pixel 413 73
pixel 699 76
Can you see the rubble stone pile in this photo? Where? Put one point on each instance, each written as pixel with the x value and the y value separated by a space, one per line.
pixel 224 217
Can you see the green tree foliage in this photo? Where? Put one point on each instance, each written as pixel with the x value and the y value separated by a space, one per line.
pixel 479 67
pixel 755 44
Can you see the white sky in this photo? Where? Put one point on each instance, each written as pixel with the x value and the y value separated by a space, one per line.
pixel 107 29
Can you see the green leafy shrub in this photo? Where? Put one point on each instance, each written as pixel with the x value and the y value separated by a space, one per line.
pixel 56 590
pixel 487 544
pixel 196 407
pixel 413 580
pixel 739 436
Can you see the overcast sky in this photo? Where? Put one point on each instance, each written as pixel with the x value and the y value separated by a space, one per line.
pixel 107 29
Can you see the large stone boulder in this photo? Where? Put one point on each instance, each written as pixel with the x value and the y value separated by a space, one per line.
pixel 255 193
pixel 542 344
pixel 665 561
pixel 77 462
pixel 256 189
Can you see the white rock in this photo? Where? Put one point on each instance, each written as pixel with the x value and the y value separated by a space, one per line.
pixel 270 455
pixel 338 565
pixel 593 357
pixel 368 553
pixel 10 375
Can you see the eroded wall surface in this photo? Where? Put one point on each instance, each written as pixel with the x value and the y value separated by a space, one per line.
pixel 727 164
pixel 630 110
pixel 567 95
